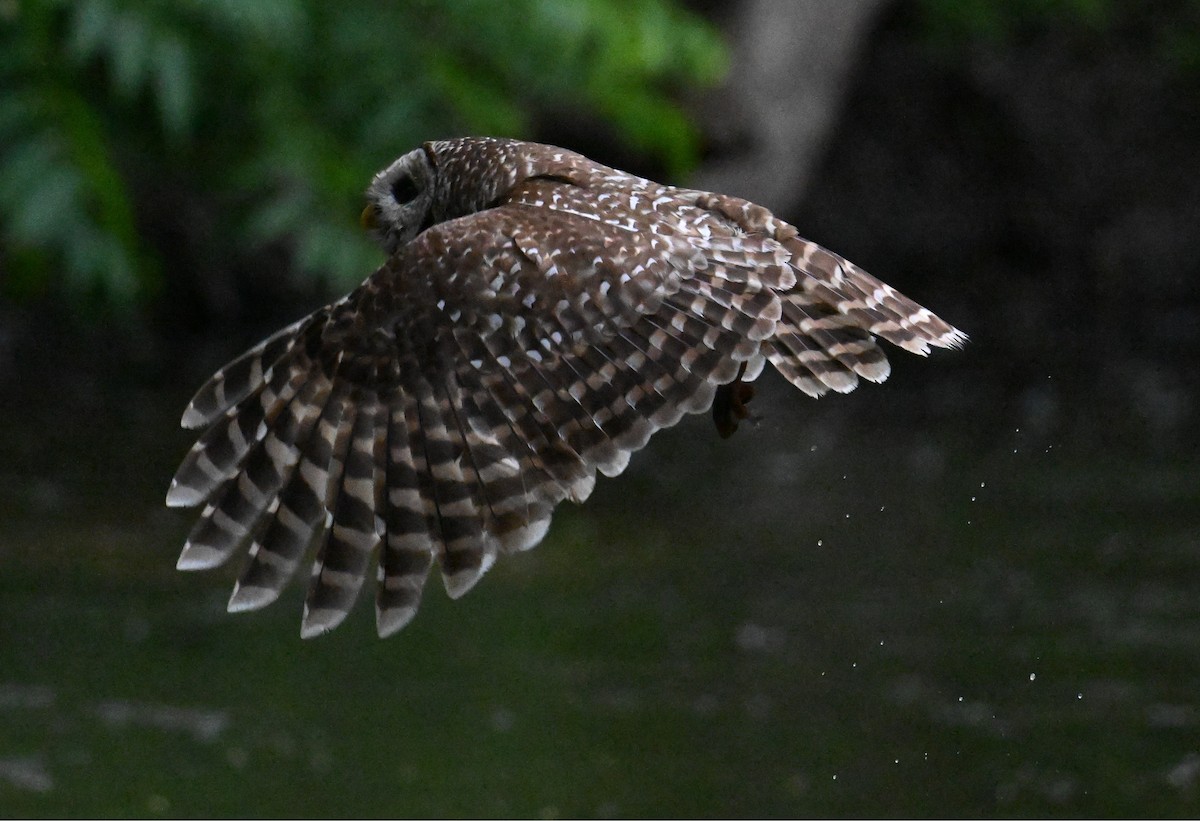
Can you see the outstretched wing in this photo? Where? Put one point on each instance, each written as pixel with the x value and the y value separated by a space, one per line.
pixel 441 411
pixel 834 314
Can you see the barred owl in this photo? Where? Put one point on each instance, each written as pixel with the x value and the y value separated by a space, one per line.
pixel 538 318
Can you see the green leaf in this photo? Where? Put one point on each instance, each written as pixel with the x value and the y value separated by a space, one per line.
pixel 90 25
pixel 55 192
pixel 130 54
pixel 173 85
pixel 271 115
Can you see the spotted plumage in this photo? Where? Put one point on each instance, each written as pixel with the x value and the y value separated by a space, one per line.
pixel 538 318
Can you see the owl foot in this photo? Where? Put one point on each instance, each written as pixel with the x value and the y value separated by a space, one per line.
pixel 729 405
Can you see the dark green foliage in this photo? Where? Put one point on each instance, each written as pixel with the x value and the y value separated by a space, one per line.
pixel 271 115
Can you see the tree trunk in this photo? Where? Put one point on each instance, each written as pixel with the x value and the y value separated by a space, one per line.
pixel 791 68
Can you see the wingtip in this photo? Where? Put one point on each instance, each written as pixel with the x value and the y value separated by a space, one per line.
pixel 393 620
pixel 199 557
pixel 955 339
pixel 876 372
pixel 250 597
pixel 616 463
pixel 192 418
pixel 179 495
pixel 318 621
pixel 579 491
pixel 460 583
pixel 526 537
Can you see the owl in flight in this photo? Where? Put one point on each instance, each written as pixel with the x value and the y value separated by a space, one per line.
pixel 538 317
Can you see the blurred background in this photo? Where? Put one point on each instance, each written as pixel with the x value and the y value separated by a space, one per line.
pixel 973 590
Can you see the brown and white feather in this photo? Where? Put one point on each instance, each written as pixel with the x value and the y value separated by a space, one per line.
pixel 538 318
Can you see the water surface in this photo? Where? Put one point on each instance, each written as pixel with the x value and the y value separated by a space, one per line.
pixel 940 596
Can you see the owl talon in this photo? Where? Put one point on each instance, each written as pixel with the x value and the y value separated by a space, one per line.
pixel 729 405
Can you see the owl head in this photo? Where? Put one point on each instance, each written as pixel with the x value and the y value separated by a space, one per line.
pixel 446 179
pixel 400 200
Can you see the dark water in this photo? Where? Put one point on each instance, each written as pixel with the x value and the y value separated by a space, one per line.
pixel 960 593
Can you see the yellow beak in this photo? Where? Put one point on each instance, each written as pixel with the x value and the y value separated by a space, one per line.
pixel 369 219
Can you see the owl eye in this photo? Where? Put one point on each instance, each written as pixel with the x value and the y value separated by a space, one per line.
pixel 404 190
